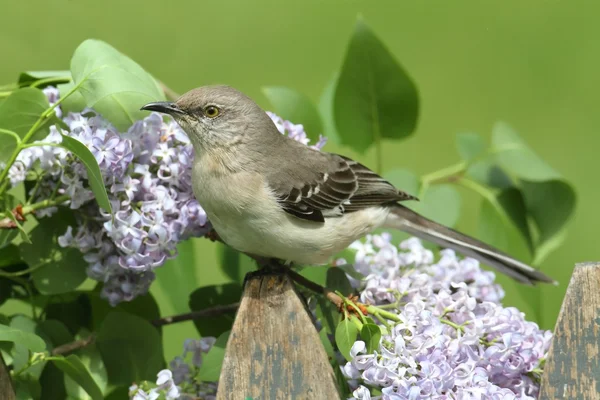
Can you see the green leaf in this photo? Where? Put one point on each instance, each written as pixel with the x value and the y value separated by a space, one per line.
pixel 131 348
pixel 470 145
pixel 113 84
pixel 374 97
pixel 371 335
pixel 496 228
pixel 18 113
pixel 549 199
pixel 404 180
pixel 513 203
pixel 327 314
pixel 63 268
pixel 9 255
pixel 52 383
pixel 345 336
pixel 325 107
pixel 235 264
pixel 28 78
pixel 74 103
pixel 515 156
pixel 212 362
pixel 326 343
pixel 92 359
pixel 295 107
pixel 95 180
pixel 551 205
pixel 337 280
pixel 26 339
pixel 488 173
pixel 55 331
pixel 27 387
pixel 76 370
pixel 21 352
pixel 316 274
pixel 350 270
pixel 440 203
pixel 74 311
pixel 210 296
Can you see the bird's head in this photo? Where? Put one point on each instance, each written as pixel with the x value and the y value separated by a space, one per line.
pixel 216 116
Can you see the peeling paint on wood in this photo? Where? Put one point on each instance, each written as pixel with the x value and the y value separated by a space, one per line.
pixel 274 351
pixel 572 370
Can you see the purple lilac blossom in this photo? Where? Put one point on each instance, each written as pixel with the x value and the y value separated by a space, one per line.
pixel 454 340
pixel 147 173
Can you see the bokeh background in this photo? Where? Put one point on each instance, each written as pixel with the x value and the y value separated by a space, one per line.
pixel 534 64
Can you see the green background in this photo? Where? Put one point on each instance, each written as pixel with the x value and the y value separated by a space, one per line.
pixel 534 64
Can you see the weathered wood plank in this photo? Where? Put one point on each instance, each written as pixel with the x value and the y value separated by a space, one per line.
pixel 274 351
pixel 572 370
pixel 6 389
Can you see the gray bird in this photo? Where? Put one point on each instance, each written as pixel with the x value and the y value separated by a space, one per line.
pixel 271 196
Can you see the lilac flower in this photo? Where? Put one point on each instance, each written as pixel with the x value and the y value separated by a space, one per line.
pixel 185 367
pixel 147 172
pixel 453 338
pixel 164 386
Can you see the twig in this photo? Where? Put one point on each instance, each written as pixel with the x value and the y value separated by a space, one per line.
pixel 20 211
pixel 315 287
pixel 72 346
pixel 208 312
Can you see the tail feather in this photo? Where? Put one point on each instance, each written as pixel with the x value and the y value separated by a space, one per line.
pixel 405 219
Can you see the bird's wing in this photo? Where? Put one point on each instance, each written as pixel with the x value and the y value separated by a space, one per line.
pixel 323 185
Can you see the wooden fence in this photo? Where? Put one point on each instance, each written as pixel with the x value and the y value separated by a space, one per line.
pixel 274 351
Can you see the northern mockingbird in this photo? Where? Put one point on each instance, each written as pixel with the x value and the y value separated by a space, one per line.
pixel 271 196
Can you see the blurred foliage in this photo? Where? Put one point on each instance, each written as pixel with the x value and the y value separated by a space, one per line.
pixel 365 108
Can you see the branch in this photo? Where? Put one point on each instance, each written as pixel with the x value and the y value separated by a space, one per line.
pixel 208 312
pixel 20 211
pixel 72 346
pixel 315 287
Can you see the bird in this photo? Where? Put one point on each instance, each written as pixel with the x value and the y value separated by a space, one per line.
pixel 270 196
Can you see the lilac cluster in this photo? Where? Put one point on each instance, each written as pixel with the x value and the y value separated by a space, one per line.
pixel 179 381
pixel 453 340
pixel 165 385
pixel 147 173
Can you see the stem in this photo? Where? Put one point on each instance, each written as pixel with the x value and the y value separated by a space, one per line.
pixel 385 314
pixel 35 359
pixel 11 133
pixel 452 324
pixel 35 189
pixel 209 312
pixel 444 172
pixel 5 94
pixel 441 174
pixel 21 273
pixel 315 287
pixel 56 79
pixel 347 302
pixel 6 222
pixel 41 120
pixel 27 288
pixel 72 346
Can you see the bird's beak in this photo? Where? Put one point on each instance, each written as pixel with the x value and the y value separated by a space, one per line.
pixel 165 107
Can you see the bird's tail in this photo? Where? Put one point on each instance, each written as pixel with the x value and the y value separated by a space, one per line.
pixel 405 219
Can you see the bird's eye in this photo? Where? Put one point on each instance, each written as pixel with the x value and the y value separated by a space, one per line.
pixel 212 111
